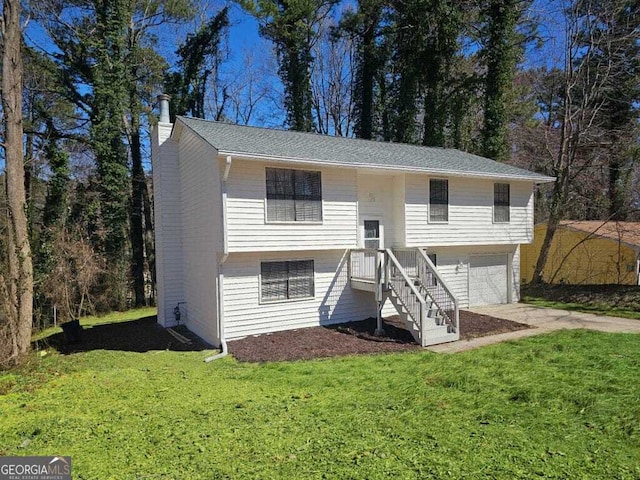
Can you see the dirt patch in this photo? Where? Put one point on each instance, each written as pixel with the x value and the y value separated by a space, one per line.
pixel 141 335
pixel 353 338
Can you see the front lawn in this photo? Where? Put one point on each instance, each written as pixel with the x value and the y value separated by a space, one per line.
pixel 563 405
pixel 615 300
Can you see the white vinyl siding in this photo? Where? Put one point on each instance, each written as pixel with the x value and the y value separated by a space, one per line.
pixel 190 226
pixel 334 300
pixel 501 202
pixel 168 222
pixel 454 267
pixel 249 229
pixel 381 197
pixel 202 233
pixel 470 222
pixel 286 280
pixel 438 200
pixel 293 195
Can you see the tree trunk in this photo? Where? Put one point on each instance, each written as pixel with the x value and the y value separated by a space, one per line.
pixel 560 188
pixel 138 181
pixel 619 176
pixel 138 184
pixel 367 72
pixel 501 64
pixel 149 240
pixel 538 272
pixel 19 251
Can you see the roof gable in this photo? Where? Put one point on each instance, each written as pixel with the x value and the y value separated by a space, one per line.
pixel 273 144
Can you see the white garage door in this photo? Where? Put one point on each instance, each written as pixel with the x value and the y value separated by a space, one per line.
pixel 488 280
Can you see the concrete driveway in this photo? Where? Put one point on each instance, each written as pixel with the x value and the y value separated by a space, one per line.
pixel 542 320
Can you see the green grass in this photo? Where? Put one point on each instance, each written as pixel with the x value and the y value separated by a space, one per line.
pixel 563 405
pixel 614 300
pixel 595 308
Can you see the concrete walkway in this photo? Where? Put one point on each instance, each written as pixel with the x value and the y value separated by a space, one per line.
pixel 542 320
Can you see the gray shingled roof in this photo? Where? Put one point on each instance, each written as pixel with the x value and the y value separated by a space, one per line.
pixel 309 147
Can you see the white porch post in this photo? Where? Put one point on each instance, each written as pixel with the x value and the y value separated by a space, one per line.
pixel 380 279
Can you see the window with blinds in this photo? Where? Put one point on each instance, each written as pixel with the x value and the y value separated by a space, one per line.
pixel 293 195
pixel 286 280
pixel 501 202
pixel 438 200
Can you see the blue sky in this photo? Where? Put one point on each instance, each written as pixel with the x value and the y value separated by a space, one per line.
pixel 244 40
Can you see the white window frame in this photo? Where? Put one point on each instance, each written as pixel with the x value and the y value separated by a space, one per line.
pixel 263 301
pixel 429 220
pixel 508 206
pixel 361 239
pixel 292 222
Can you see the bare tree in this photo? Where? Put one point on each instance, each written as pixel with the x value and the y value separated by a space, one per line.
pixel 73 274
pixel 332 81
pixel 250 89
pixel 20 267
pixel 575 131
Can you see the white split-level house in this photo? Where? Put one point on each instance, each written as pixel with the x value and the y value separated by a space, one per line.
pixel 260 230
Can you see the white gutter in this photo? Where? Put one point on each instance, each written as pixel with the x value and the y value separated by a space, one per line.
pixel 225 254
pixel 392 168
pixel 225 236
pixel 220 297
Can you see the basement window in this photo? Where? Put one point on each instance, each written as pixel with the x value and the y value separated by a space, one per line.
pixel 501 202
pixel 293 195
pixel 286 280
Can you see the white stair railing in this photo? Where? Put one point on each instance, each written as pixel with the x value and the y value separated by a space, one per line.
pixel 428 281
pixel 363 264
pixel 406 292
pixel 437 290
pixel 415 283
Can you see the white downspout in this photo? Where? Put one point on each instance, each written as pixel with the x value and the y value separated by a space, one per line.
pixel 225 254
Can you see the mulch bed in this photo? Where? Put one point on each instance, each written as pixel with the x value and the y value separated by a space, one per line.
pixel 353 338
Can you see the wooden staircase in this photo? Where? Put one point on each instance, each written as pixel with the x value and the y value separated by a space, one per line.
pixel 410 281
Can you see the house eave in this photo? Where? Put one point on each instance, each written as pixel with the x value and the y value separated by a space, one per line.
pixel 387 168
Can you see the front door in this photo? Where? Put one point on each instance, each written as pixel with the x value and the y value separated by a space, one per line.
pixel 373 237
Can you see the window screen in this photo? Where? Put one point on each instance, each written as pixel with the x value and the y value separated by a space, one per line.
pixel 501 202
pixel 293 195
pixel 286 280
pixel 438 200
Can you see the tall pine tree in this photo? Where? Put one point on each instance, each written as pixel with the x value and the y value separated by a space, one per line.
pixel 501 53
pixel 292 26
pixel 109 84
